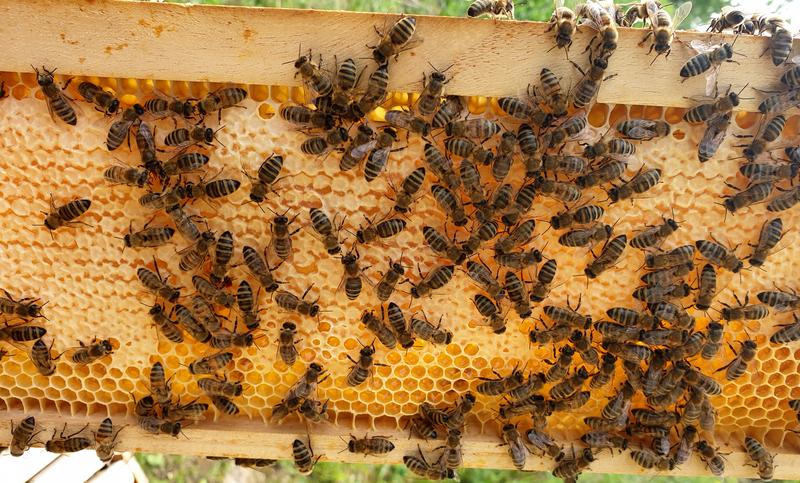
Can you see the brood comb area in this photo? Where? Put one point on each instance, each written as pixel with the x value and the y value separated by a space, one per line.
pixel 92 289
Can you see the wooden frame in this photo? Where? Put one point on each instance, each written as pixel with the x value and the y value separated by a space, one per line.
pixel 109 38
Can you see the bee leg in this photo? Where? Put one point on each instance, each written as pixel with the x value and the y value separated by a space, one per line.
pixel 645 39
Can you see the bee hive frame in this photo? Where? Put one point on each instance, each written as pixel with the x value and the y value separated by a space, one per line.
pixel 125 41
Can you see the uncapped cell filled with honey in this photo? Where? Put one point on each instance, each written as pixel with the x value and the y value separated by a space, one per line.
pixel 92 289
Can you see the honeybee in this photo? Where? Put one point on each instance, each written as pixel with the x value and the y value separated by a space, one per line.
pixel 571 468
pixel 266 177
pixel 647 458
pixel 642 182
pixel 211 363
pixel 220 387
pixel 162 105
pixel 472 128
pixel 370 446
pixel 386 286
pixel 66 214
pixel 609 170
pixel 544 279
pixel 523 201
pixel 694 344
pixel 661 293
pixel 551 335
pixel 768 132
pixel 713 460
pixel 420 467
pixel 219 100
pixel 617 332
pixel 395 40
pixel 780 301
pixel 518 294
pixel 483 277
pixel 663 26
pixel 86 354
pixel 104 101
pixel 258 267
pixel 448 110
pixel 303 455
pixel 381 147
pixel 567 130
pixel 785 200
pixel 398 322
pixel 708 57
pixel 156 284
pixel 654 236
pixel 105 440
pixel 559 190
pixel 601 19
pixel 643 129
pixel 493 8
pixel 384 229
pixel 713 340
pixel 738 366
pixel 719 255
pixel 375 94
pixel 126 175
pixel 708 111
pixel 379 328
pixel 120 130
pixel 22 435
pixel 197 330
pixel 613 147
pixel 517 108
pixel 771 234
pixel 409 188
pixel 155 425
pixel 569 385
pixel 359 146
pixel 289 301
pixel 677 256
pixel 25 307
pixel 609 255
pixel 58 103
pixel 42 359
pixel 500 385
pixel 319 145
pixel 564 22
pixel 716 129
pixel 558 369
pixel 518 260
pixel 427 331
pixel 520 235
pixel 727 18
pixel 605 372
pixel 500 200
pixel 630 317
pixel 586 237
pixel 67 444
pixel 431 96
pixel 306 117
pixel 762 459
pixel 441 166
pixel 442 246
pixel 408 121
pixel 194 255
pixel 159 384
pixel 629 352
pixel 781 38
pixel 433 280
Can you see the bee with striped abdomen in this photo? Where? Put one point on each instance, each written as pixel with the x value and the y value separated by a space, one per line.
pixel 323 226
pixel 654 236
pixel 266 177
pixel 383 229
pixel 219 100
pixel 386 286
pixel 564 21
pixel 293 303
pixel 104 101
pixel 105 440
pixel 429 332
pixel 642 182
pixel 398 323
pixel 362 368
pixel 286 343
pixel 86 354
pixel 65 215
pixel 258 267
pixel 643 129
pixel 303 455
pixel 352 274
pixel 395 40
pixel 518 294
pixel 409 188
pixel 771 234
pixel 738 366
pixel 433 280
pixel 58 103
pixel 608 256
pixel 67 444
pixel 719 255
pixel 211 364
pixel 379 328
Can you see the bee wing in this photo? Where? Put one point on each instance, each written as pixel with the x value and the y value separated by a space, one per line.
pixel 680 14
pixel 652 12
pixel 380 156
pixel 699 46
pixel 711 81
pixel 358 152
pixel 594 19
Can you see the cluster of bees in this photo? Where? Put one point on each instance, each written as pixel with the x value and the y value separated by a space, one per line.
pixel 561 162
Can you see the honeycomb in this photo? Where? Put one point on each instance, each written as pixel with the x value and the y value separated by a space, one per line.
pixel 92 289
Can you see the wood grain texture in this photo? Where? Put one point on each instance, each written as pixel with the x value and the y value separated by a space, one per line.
pixel 110 38
pixel 252 440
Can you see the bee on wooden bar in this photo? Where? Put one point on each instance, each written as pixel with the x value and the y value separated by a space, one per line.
pixel 571 468
pixel 708 111
pixel 104 101
pixel 420 467
pixel 600 18
pixel 67 444
pixel 66 214
pixel 219 100
pixel 374 445
pixel 58 103
pixel 395 40
pixel 431 96
pixel 564 21
pixel 713 460
pixel 767 133
pixel 303 455
pixel 86 354
pixel 663 26
pixel 105 440
pixel 727 19
pixel 22 435
pixel 762 458
pixel 587 88
pixel 493 8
